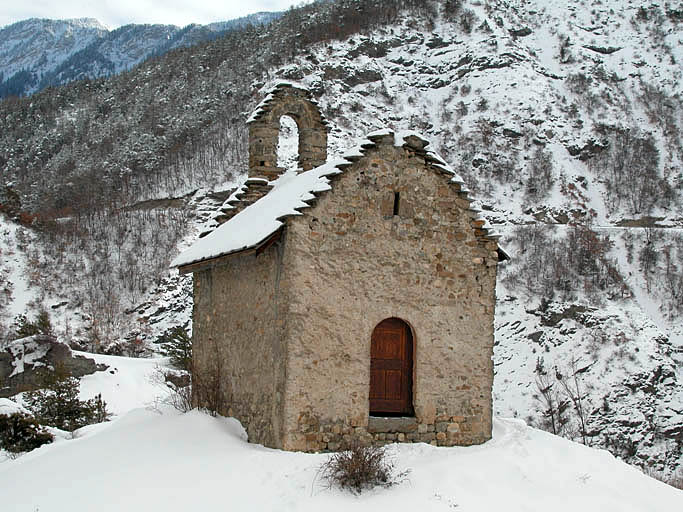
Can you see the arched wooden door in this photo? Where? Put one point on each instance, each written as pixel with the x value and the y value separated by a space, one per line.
pixel 391 368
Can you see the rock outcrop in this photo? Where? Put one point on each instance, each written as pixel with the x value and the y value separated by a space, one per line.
pixel 27 362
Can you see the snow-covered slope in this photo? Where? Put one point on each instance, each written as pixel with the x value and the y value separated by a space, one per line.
pixel 163 460
pixel 533 104
pixel 15 291
pixel 28 49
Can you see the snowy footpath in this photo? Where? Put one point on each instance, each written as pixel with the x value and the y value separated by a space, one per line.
pixel 154 458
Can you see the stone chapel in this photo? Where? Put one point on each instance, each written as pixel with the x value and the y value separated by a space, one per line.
pixel 351 300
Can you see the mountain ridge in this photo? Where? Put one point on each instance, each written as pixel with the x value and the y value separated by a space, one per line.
pixel 38 53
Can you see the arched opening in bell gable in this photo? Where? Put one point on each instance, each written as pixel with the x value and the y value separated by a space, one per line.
pixel 288 143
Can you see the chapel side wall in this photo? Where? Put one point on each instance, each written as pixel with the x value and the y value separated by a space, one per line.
pixel 238 342
pixel 353 264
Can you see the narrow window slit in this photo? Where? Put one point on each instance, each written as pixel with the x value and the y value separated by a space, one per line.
pixel 397 199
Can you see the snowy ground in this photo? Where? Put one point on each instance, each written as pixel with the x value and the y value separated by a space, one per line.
pixel 154 458
pixel 14 284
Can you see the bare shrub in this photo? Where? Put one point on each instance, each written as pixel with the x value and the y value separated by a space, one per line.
pixel 572 386
pixel 660 257
pixel 361 467
pixel 206 382
pixel 578 83
pixel 467 20
pixel 554 407
pixel 461 109
pixel 660 107
pixel 540 174
pixel 196 387
pixel 630 168
pixel 562 266
pixel 451 9
pixel 178 387
pixel 566 55
pixel 675 480
pixel 557 414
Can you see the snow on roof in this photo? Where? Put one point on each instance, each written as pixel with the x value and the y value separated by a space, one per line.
pixel 262 107
pixel 257 222
pixel 291 192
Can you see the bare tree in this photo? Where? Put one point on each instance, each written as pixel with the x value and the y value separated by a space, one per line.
pixel 571 385
pixel 553 406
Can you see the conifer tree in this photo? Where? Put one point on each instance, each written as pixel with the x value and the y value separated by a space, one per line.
pixel 58 404
pixel 176 343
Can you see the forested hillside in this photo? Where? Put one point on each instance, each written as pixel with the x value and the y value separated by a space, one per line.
pixel 563 118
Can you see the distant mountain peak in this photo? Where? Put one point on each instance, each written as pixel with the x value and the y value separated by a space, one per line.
pixel 39 52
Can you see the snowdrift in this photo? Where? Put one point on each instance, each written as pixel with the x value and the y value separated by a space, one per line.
pixel 151 460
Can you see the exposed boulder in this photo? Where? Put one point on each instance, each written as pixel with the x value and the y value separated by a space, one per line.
pixel 27 362
pixel 551 317
pixel 646 221
pixel 520 32
pixel 372 48
pixel 511 133
pixel 588 150
pixel 605 50
pixel 437 41
pixel 351 75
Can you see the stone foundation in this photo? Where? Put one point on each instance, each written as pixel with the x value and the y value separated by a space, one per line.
pixel 316 436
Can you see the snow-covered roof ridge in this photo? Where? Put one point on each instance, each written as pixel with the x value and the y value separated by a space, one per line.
pixel 216 218
pixel 271 93
pixel 292 192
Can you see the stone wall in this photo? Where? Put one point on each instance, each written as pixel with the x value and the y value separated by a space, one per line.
pixel 352 263
pixel 336 435
pixel 288 329
pixel 238 341
pixel 264 131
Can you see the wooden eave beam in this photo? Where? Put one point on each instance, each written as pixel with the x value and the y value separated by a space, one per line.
pixel 223 258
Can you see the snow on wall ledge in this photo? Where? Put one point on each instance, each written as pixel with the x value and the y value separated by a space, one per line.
pixel 270 97
pixel 290 193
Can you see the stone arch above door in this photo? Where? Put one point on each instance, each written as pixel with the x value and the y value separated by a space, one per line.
pixel 286 99
pixel 391 369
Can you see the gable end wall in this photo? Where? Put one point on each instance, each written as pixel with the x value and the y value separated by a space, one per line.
pixel 352 264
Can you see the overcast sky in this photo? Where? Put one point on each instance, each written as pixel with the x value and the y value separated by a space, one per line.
pixel 114 13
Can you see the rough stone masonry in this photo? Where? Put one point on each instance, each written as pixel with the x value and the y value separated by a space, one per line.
pixel 284 330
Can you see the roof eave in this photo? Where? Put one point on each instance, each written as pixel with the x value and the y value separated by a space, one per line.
pixel 221 259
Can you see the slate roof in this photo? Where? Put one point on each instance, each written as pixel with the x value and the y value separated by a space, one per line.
pixel 293 192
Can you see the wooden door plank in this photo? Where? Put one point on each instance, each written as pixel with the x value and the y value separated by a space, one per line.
pixel 391 368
